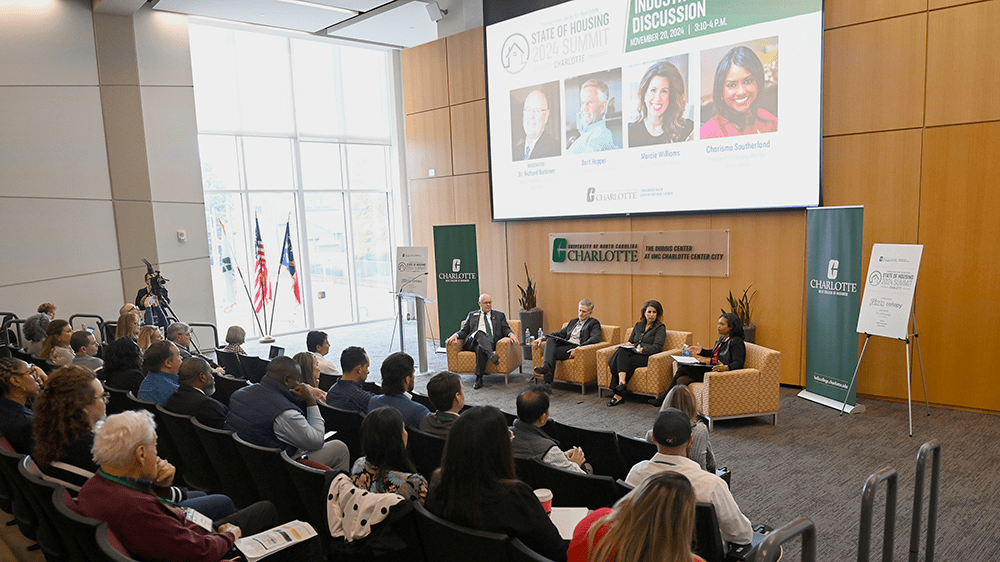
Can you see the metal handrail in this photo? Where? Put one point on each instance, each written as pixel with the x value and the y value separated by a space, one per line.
pixel 19 322
pixel 215 333
pixel 8 318
pixel 889 475
pixel 100 319
pixel 770 549
pixel 918 500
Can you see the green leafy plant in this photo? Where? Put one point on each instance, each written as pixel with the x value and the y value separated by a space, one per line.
pixel 527 299
pixel 742 307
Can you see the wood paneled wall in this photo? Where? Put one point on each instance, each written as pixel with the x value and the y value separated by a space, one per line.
pixel 911 128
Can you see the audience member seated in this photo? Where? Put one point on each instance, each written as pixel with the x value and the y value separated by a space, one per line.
pixel 194 395
pixel 128 326
pixel 67 413
pixel 310 372
pixel 180 334
pixel 56 348
pixel 266 414
pixel 129 308
pixel 446 393
pixel 397 382
pixel 19 383
pixel 148 335
pixel 672 435
pixel 476 488
pixel 84 345
pixel 125 494
pixel 123 365
pixel 653 523
pixel 347 393
pixel 35 325
pixel 318 344
pixel 530 442
pixel 385 467
pixel 236 336
pixel 161 362
pixel 680 397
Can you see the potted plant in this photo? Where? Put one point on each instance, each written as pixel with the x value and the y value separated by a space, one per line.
pixel 743 309
pixel 529 315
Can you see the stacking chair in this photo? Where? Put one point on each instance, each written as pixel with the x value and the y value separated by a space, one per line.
pixel 271 477
pixel 21 505
pixel 198 471
pixel 444 541
pixel 225 386
pixel 347 424
pixel 231 362
pixel 229 467
pixel 708 538
pixel 49 535
pixel 311 485
pixel 254 367
pixel 572 489
pixel 634 450
pixel 77 528
pixel 426 451
pixel 109 544
pixel 600 447
pixel 327 380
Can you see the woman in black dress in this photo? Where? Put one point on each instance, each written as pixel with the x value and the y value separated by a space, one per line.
pixel 648 336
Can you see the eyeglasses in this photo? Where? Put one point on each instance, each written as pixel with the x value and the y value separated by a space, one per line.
pixel 534 112
pixel 106 397
pixel 31 373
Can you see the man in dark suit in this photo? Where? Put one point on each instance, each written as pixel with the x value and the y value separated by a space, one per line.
pixel 193 396
pixel 582 330
pixel 482 329
pixel 536 143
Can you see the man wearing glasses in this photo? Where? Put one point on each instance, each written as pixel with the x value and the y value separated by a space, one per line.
pixel 535 144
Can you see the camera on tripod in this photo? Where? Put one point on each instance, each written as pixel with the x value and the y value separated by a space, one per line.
pixel 157 283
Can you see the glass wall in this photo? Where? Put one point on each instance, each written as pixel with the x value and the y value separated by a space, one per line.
pixel 296 134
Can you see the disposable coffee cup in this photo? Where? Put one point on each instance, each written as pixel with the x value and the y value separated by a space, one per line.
pixel 544 496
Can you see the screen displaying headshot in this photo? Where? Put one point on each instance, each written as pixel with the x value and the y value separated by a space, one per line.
pixel 534 115
pixel 659 111
pixel 593 112
pixel 740 89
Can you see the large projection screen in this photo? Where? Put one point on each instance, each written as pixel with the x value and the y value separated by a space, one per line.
pixel 615 107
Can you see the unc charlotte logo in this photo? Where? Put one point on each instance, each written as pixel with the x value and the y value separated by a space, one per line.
pixel 559 250
pixel 590 194
pixel 514 53
pixel 456 265
pixel 831 270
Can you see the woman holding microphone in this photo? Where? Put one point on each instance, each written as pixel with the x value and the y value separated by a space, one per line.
pixel 729 354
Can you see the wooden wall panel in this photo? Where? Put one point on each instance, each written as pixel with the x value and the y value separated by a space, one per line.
pixel 937 4
pixel 466 66
pixel 468 139
pixel 962 66
pixel 957 295
pixel 428 144
pixel 848 12
pixel 432 202
pixel 873 76
pixel 425 77
pixel 472 195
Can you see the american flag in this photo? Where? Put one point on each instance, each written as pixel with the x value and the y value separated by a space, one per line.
pixel 288 260
pixel 261 289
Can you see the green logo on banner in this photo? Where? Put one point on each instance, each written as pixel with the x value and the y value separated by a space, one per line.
pixel 559 250
pixel 457 270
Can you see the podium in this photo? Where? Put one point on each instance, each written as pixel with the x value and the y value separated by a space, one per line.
pixel 419 304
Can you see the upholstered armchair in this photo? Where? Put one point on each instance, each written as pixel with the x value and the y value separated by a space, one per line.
pixel 748 392
pixel 652 379
pixel 510 355
pixel 580 369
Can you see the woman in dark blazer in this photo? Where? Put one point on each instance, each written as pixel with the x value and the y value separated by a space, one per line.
pixel 728 354
pixel 648 336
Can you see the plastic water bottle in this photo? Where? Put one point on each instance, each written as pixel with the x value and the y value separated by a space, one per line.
pixel 527 336
pixel 686 350
pixel 540 333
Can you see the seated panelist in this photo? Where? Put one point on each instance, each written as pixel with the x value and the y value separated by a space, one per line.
pixel 582 330
pixel 647 338
pixel 482 329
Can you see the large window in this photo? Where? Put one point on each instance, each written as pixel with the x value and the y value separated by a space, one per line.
pixel 296 133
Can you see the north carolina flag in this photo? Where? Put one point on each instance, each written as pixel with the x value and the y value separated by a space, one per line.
pixel 288 260
pixel 261 289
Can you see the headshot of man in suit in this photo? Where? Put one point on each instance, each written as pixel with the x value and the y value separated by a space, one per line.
pixel 536 143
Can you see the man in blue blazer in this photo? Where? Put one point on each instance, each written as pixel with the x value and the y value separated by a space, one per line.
pixel 582 330
pixel 482 329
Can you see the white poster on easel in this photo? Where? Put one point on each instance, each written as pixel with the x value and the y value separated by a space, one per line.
pixel 411 270
pixel 888 293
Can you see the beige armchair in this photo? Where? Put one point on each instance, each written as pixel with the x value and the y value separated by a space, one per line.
pixel 748 392
pixel 510 356
pixel 580 369
pixel 652 379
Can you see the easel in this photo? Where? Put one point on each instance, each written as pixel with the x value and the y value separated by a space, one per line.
pixel 915 335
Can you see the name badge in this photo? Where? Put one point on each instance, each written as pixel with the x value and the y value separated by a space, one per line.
pixel 198 519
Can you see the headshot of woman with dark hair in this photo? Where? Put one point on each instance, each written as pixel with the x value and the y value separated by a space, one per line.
pixel 662 98
pixel 736 95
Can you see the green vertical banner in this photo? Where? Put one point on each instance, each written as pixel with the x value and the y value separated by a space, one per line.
pixel 833 289
pixel 457 268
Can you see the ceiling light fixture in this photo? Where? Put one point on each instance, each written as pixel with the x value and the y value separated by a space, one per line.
pixel 323 6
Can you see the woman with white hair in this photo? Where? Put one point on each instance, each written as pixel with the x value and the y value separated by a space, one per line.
pixel 236 336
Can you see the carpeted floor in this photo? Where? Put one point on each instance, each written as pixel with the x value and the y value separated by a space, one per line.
pixel 811 464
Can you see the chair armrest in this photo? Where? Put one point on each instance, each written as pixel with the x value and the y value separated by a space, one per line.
pixel 730 393
pixel 454 347
pixel 538 353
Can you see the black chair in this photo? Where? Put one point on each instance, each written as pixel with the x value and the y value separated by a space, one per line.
pixel 270 476
pixel 623 488
pixel 371 387
pixel 118 401
pixel 347 424
pixel 77 528
pixel 572 489
pixel 21 504
pixel 254 367
pixel 231 362
pixel 708 541
pixel 519 552
pixel 49 534
pixel 327 380
pixel 225 386
pixel 229 467
pixel 311 485
pixel 198 471
pixel 633 451
pixel 426 451
pixel 166 448
pixel 510 417
pixel 525 471
pixel 109 329
pixel 425 401
pixel 109 544
pixel 444 541
pixel 600 447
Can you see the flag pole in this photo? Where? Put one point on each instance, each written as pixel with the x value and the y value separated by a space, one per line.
pixel 236 263
pixel 277 277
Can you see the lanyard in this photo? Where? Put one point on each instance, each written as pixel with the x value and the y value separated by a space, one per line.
pixel 107 476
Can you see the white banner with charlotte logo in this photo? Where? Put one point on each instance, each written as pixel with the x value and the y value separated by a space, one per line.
pixel 411 270
pixel 703 253
pixel 889 286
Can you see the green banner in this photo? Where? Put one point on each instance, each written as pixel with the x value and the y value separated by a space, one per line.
pixel 457 270
pixel 657 22
pixel 833 289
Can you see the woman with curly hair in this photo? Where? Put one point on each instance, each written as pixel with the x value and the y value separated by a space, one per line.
pixel 19 383
pixel 55 347
pixel 65 416
pixel 385 466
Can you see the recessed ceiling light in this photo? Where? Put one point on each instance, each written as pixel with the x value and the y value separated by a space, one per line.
pixel 323 6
